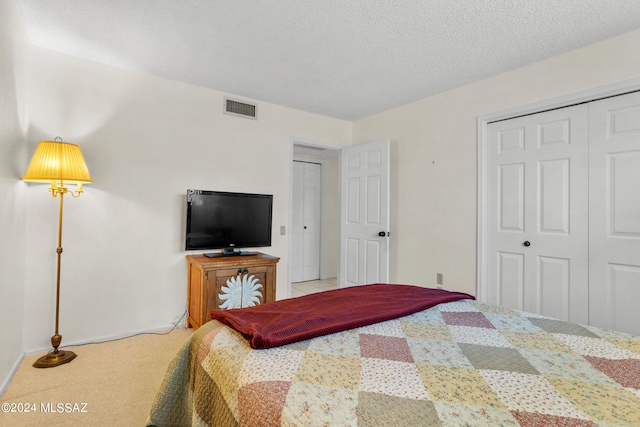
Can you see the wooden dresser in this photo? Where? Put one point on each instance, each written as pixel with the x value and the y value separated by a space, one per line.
pixel 240 275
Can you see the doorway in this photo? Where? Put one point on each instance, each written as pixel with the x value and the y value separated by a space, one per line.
pixel 354 214
pixel 320 257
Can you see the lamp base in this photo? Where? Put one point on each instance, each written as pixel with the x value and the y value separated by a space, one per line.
pixel 54 359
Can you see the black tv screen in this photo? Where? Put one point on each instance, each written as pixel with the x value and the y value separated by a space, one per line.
pixel 229 221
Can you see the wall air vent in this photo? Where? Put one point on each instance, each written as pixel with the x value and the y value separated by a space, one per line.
pixel 242 109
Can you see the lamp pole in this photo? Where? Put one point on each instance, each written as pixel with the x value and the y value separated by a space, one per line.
pixel 57 357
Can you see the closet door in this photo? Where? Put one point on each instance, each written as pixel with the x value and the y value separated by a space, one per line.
pixel 312 221
pixel 306 221
pixel 614 199
pixel 537 191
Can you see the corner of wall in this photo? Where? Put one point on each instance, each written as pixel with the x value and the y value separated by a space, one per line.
pixel 12 192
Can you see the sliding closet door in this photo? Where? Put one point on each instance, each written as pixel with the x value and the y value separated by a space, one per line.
pixel 312 221
pixel 537 191
pixel 614 198
pixel 306 221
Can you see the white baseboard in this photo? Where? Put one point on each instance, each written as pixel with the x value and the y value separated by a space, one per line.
pixel 12 372
pixel 109 338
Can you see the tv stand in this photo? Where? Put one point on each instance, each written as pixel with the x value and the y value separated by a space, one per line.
pixel 208 275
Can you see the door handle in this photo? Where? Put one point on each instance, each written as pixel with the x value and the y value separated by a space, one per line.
pixel 527 243
pixel 382 234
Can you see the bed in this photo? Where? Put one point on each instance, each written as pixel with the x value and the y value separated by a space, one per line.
pixel 457 362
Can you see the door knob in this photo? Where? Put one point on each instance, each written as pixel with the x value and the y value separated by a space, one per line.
pixel 382 234
pixel 527 243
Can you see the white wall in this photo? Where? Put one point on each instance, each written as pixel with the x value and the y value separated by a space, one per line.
pixel 13 159
pixel 434 156
pixel 146 140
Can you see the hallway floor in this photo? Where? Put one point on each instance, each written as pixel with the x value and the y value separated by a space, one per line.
pixel 305 288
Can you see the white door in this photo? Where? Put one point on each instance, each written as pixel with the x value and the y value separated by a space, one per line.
pixel 306 221
pixel 364 228
pixel 614 198
pixel 537 238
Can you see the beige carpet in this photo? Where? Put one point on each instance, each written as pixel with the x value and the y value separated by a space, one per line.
pixel 117 380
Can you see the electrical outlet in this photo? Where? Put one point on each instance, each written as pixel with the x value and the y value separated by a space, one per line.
pixel 283 230
pixel 440 280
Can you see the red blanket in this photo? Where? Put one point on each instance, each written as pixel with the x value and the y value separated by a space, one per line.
pixel 298 319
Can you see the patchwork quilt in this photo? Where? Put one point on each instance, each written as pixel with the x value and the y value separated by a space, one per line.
pixel 460 363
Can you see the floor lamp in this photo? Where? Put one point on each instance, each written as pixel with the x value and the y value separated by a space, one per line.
pixel 58 163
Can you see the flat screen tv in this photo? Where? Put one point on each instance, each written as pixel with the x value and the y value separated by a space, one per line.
pixel 227 221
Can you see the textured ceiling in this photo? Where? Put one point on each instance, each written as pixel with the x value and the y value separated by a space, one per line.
pixel 341 58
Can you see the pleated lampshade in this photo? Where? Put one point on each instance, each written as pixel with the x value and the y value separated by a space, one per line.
pixel 57 161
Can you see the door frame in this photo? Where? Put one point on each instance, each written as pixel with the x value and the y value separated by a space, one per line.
pixel 589 95
pixel 311 144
